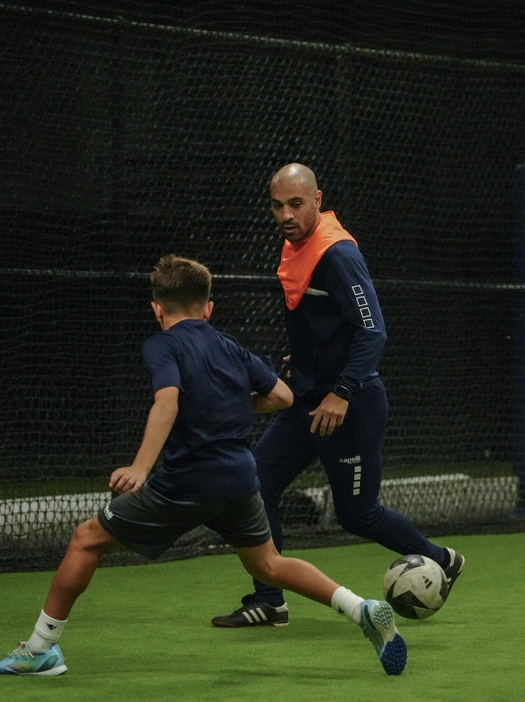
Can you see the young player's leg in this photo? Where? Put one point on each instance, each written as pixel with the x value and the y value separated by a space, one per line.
pixel 145 522
pixel 89 543
pixel 267 564
pixel 244 524
pixel 40 654
pixel 376 618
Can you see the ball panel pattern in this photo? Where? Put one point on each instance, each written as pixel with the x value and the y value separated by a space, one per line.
pixel 415 586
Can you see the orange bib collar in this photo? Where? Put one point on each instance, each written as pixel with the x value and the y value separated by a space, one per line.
pixel 298 261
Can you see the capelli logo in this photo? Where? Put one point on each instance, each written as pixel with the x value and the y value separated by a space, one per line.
pixel 353 460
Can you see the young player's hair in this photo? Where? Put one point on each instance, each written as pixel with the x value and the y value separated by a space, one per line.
pixel 180 283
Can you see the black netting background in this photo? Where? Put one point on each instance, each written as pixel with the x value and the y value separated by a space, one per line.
pixel 130 130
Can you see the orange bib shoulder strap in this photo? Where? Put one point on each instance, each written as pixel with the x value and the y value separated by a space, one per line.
pixel 298 261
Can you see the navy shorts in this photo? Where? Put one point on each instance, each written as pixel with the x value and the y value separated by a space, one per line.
pixel 149 523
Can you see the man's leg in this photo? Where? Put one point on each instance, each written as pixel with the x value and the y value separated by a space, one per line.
pixel 352 460
pixel 283 452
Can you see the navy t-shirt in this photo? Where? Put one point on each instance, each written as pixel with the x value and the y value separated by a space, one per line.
pixel 207 454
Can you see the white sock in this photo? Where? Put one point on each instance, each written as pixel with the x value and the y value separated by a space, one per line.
pixel 47 632
pixel 344 601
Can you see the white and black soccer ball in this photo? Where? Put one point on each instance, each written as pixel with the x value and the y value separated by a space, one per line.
pixel 415 586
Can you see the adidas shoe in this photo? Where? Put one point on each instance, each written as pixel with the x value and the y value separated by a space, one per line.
pixel 254 613
pixel 22 662
pixel 380 628
pixel 453 571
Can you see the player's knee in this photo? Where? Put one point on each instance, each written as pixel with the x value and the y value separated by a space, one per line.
pixel 363 519
pixel 89 536
pixel 268 570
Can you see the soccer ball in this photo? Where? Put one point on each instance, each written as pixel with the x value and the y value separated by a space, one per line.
pixel 415 586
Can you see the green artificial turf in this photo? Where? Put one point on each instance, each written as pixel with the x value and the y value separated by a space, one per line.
pixel 143 633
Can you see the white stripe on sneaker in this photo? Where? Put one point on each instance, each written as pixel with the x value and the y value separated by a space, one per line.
pixel 261 614
pixel 255 616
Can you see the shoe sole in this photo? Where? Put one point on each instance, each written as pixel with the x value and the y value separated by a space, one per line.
pixel 394 657
pixel 59 670
pixel 251 615
pixel 380 629
pixel 226 625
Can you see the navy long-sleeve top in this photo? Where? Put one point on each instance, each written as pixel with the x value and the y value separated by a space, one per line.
pixel 337 332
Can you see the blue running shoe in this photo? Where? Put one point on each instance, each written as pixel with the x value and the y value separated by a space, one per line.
pixel 23 662
pixel 380 628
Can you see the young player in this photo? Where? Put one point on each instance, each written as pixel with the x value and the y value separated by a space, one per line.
pixel 205 388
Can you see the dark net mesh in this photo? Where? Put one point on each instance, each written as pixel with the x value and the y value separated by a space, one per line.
pixel 130 130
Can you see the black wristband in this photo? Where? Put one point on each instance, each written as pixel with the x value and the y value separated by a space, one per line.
pixel 342 391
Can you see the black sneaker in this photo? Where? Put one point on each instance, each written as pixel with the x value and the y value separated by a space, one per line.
pixel 453 571
pixel 254 613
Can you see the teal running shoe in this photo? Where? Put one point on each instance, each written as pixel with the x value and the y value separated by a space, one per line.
pixel 23 662
pixel 380 628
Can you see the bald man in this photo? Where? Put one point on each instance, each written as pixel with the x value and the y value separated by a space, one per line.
pixel 337 335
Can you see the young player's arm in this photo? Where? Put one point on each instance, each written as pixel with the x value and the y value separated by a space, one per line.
pixel 162 416
pixel 279 398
